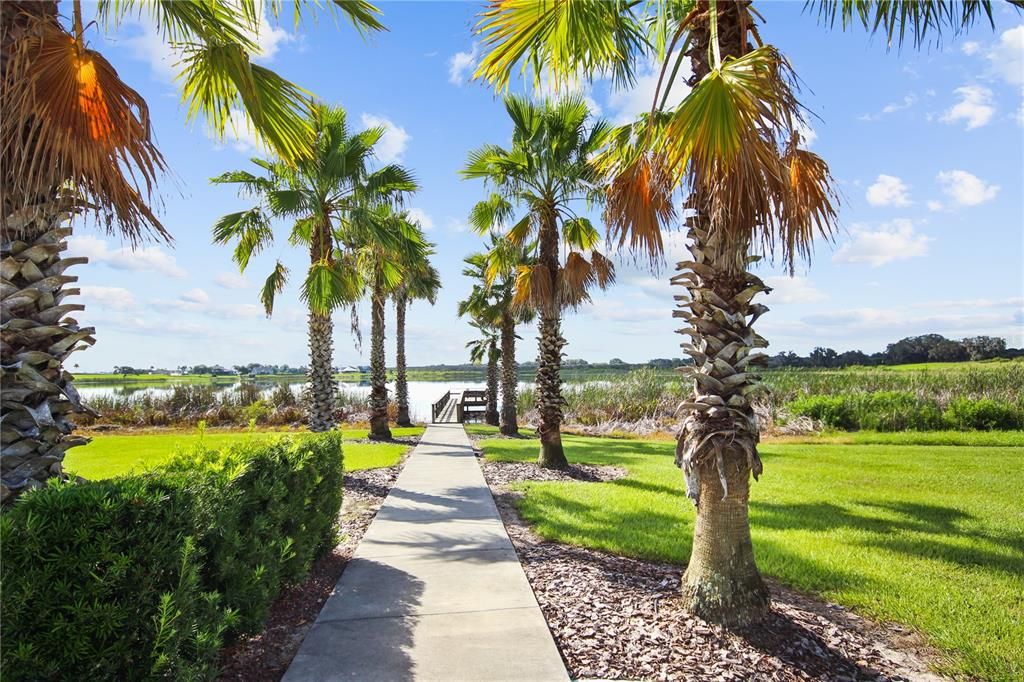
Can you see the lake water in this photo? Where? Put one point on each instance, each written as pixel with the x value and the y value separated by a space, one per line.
pixel 422 394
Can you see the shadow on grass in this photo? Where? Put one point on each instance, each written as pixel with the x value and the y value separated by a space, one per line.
pixel 939 524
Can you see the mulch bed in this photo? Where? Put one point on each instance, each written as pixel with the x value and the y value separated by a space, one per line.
pixel 504 473
pixel 265 657
pixel 619 618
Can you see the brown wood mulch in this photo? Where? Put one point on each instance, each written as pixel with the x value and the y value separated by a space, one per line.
pixel 265 657
pixel 619 618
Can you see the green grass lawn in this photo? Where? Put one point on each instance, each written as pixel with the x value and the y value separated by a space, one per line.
pixel 930 536
pixel 114 455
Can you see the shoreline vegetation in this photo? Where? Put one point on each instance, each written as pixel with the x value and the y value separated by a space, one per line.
pixel 971 396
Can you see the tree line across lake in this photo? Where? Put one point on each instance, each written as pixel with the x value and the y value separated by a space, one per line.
pixel 908 350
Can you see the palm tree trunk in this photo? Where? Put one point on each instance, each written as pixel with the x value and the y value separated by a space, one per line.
pixel 378 370
pixel 717 447
pixel 401 382
pixel 509 377
pixel 38 337
pixel 321 397
pixel 491 411
pixel 549 357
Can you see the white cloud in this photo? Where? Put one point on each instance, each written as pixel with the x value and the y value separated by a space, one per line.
pixel 418 215
pixel 231 280
pixel 888 190
pixel 626 105
pixel 195 296
pixel 458 225
pixel 394 141
pixel 149 258
pixel 807 134
pixel 895 240
pixel 792 290
pixel 114 298
pixel 966 189
pixel 461 64
pixel 1007 56
pixel 892 107
pixel 934 205
pixel 975 107
pixel 970 47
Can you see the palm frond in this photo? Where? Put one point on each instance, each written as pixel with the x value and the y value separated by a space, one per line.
pixel 579 233
pixel 69 119
pixel 273 286
pixel 562 38
pixel 901 21
pixel 329 285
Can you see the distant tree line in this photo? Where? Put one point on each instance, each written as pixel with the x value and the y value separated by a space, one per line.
pixel 912 349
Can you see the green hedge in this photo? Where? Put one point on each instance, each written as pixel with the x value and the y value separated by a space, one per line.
pixel 897 411
pixel 145 577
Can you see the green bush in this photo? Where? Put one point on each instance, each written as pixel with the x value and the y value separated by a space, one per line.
pixel 100 581
pixel 143 577
pixel 881 411
pixel 832 411
pixel 268 511
pixel 983 415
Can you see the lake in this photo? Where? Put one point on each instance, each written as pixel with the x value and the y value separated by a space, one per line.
pixel 422 394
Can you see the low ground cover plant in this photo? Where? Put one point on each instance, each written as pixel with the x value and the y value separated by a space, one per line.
pixel 145 577
pixel 978 397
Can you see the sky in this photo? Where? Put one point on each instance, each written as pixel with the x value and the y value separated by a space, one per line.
pixel 927 147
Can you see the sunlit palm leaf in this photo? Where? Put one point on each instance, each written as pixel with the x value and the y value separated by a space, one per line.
pixel 68 117
pixel 579 233
pixel 901 20
pixel 562 38
pixel 330 285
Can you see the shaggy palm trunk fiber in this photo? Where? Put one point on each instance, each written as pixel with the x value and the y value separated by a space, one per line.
pixel 549 392
pixel 509 377
pixel 321 395
pixel 550 344
pixel 717 447
pixel 401 382
pixel 378 371
pixel 38 396
pixel 38 337
pixel 491 411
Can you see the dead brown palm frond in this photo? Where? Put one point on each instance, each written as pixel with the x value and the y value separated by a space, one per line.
pixel 639 205
pixel 534 289
pixel 71 123
pixel 730 140
pixel 604 269
pixel 577 277
pixel 809 209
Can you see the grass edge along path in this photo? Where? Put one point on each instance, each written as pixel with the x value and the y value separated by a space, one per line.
pixel 931 537
pixel 110 455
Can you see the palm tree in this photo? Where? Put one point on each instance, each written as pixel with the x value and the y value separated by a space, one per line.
pixel 548 173
pixel 76 140
pixel 421 282
pixel 486 346
pixel 733 146
pixel 384 264
pixel 326 196
pixel 492 298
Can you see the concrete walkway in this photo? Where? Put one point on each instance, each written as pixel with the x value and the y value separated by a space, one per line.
pixel 435 590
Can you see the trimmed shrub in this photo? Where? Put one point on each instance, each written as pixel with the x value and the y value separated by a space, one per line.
pixel 143 577
pixel 268 509
pixel 101 581
pixel 983 415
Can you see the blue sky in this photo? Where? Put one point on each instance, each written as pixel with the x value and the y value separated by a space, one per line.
pixel 928 148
